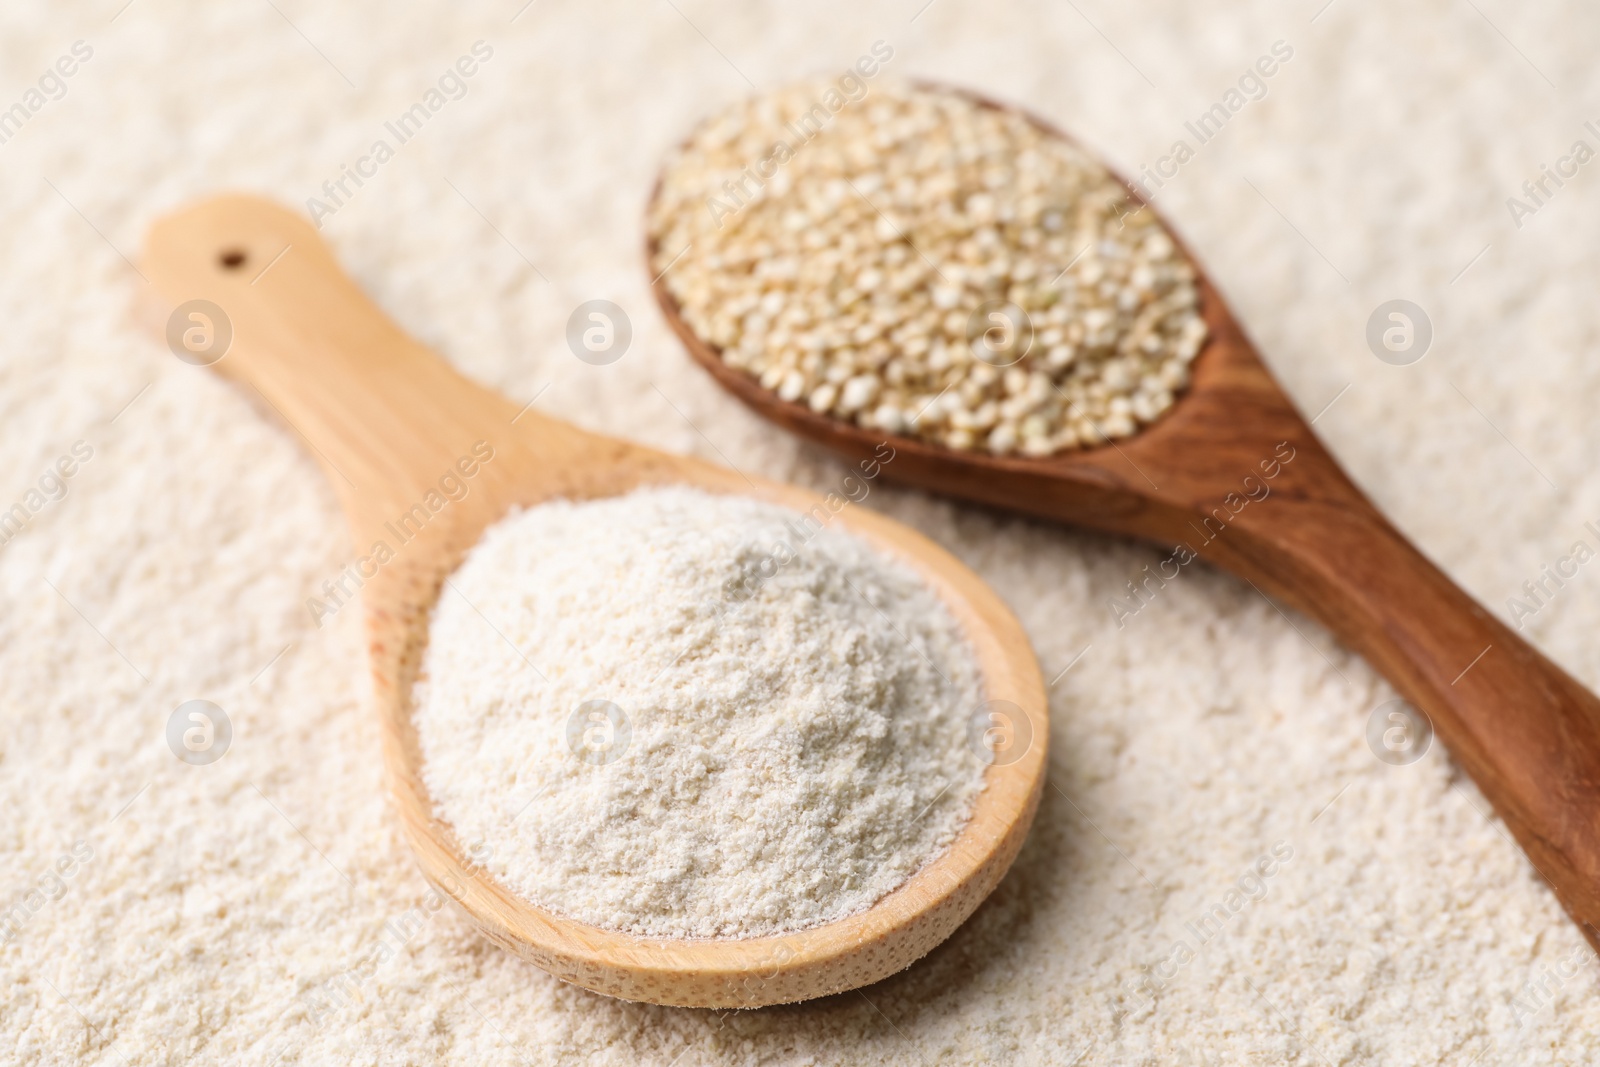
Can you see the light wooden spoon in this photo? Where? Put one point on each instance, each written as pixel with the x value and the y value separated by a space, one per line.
pixel 389 420
pixel 1527 733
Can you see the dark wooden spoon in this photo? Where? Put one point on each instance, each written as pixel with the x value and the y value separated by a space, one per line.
pixel 1236 475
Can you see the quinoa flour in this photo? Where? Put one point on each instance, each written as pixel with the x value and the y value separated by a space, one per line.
pixel 253 911
pixel 657 757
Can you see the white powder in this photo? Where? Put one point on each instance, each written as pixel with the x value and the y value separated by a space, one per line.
pixel 718 720
pixel 1183 745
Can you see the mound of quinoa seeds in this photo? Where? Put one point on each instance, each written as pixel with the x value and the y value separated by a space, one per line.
pixel 920 264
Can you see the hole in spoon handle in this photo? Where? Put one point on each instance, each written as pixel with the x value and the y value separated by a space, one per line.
pixel 253 291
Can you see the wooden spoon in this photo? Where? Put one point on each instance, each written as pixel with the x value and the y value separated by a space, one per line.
pixel 389 422
pixel 1233 473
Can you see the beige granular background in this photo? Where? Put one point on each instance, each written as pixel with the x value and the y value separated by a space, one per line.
pixel 1185 744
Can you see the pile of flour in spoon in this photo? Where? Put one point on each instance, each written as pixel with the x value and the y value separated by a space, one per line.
pixel 678 714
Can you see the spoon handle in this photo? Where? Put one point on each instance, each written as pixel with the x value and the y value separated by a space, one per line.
pixel 1525 730
pixel 320 353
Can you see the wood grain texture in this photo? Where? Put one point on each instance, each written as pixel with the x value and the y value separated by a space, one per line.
pixel 1526 731
pixel 389 420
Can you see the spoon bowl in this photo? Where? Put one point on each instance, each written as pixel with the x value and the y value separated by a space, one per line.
pixel 1232 473
pixel 423 461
